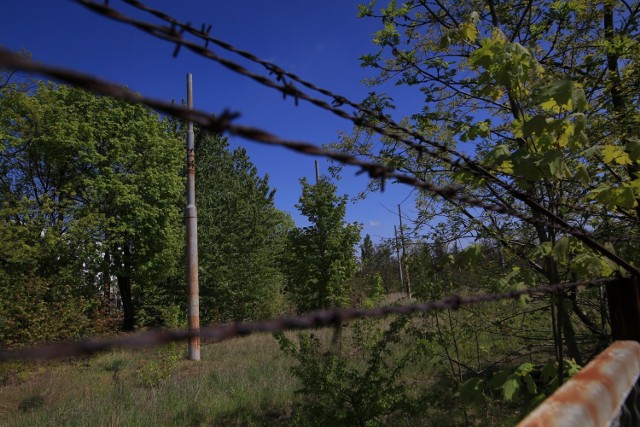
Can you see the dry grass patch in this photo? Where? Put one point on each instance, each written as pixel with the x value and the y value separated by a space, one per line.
pixel 244 381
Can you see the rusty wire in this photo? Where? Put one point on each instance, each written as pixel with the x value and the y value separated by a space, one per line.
pixel 316 319
pixel 174 33
pixel 223 123
pixel 337 100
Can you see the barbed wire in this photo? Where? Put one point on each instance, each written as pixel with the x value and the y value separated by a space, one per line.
pixel 286 88
pixel 223 123
pixel 175 32
pixel 204 34
pixel 316 319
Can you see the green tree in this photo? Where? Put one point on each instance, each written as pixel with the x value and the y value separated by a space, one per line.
pixel 377 273
pixel 543 97
pixel 241 236
pixel 93 185
pixel 320 257
pixel 366 251
pixel 140 192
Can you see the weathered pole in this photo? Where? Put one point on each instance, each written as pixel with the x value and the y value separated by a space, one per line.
pixel 395 233
pixel 404 252
pixel 191 216
pixel 317 173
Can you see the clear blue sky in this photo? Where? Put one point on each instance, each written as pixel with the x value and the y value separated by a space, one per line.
pixel 320 41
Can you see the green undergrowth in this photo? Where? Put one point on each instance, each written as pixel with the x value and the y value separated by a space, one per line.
pixel 421 370
pixel 240 382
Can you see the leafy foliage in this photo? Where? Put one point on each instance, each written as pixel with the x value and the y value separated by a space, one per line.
pixel 360 387
pixel 241 236
pixel 319 258
pixel 542 98
pixel 90 189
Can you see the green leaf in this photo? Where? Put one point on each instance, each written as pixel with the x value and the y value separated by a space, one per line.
pixel 553 162
pixel 525 369
pixel 445 41
pixel 531 384
pixel 469 256
pixel 480 129
pixel 571 368
pixel 484 55
pixel 615 154
pixel 565 134
pixel 561 95
pixel 471 390
pixel 498 154
pixel 537 400
pixel 469 31
pixel 625 197
pixel 543 249
pixel 579 138
pixel 614 196
pixel 561 249
pixel 587 265
pixel 582 174
pixel 549 371
pixel 633 148
pixel 537 125
pixel 509 388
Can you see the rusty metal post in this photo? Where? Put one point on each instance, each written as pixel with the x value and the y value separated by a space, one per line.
pixel 191 216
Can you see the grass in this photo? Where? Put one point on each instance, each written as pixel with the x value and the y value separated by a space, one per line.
pixel 239 382
pixel 248 381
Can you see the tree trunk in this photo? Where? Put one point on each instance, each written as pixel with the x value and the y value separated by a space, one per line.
pixel 563 316
pixel 106 284
pixel 567 330
pixel 624 309
pixel 623 297
pixel 124 285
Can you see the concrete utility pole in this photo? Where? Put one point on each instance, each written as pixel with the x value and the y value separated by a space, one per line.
pixel 191 215
pixel 395 233
pixel 404 252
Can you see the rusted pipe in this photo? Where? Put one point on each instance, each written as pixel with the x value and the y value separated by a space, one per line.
pixel 595 395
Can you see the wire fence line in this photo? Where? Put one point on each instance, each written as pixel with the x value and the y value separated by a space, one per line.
pixel 311 320
pixel 336 99
pixel 224 123
pixel 175 34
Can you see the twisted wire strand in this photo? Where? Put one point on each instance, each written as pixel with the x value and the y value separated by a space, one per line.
pixel 337 99
pixel 223 123
pixel 174 34
pixel 315 319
